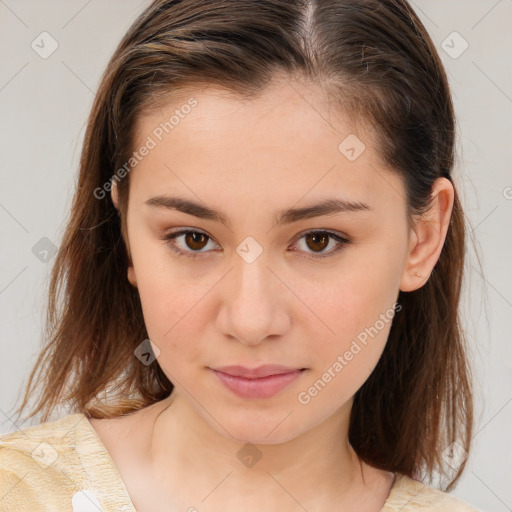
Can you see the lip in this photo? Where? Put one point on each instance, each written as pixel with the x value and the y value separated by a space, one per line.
pixel 262 382
pixel 255 373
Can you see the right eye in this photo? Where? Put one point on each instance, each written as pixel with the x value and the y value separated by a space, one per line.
pixel 192 239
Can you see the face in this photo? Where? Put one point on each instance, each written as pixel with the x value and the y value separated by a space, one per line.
pixel 313 292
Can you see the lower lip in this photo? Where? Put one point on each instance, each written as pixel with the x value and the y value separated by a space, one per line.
pixel 263 387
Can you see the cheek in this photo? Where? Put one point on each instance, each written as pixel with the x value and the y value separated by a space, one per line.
pixel 342 360
pixel 356 309
pixel 173 311
pixel 174 316
pixel 354 297
pixel 171 304
pixel 355 320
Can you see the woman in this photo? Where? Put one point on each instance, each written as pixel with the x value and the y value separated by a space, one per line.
pixel 261 273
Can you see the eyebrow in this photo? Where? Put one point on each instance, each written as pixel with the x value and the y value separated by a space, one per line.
pixel 325 207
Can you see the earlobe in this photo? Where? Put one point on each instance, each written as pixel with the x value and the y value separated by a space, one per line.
pixel 131 276
pixel 412 279
pixel 114 194
pixel 428 236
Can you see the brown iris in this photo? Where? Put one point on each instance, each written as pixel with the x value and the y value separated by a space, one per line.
pixel 319 241
pixel 196 240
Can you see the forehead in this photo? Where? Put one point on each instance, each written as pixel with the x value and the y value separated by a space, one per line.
pixel 284 113
pixel 290 141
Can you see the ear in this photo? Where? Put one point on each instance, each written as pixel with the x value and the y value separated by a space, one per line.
pixel 427 237
pixel 114 194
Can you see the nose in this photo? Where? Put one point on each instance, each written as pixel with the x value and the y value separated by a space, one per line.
pixel 254 303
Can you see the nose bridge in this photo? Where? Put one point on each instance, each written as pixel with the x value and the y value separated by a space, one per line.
pixel 251 309
pixel 252 282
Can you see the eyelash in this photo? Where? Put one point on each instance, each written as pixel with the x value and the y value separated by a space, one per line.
pixel 169 240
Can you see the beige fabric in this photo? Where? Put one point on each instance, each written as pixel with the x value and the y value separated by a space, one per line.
pixel 62 466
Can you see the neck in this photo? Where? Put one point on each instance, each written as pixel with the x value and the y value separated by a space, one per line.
pixel 183 447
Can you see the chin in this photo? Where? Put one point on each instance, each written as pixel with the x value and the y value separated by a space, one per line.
pixel 258 427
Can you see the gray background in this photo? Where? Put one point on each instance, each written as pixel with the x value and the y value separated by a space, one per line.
pixel 44 105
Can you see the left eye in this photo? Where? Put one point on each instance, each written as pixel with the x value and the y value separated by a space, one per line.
pixel 319 240
pixel 197 241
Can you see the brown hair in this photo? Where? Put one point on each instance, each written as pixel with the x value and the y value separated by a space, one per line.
pixel 379 64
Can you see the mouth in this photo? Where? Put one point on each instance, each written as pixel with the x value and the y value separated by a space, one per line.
pixel 262 382
pixel 256 373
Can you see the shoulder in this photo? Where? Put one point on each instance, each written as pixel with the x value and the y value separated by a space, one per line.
pixel 39 464
pixel 408 495
pixel 40 446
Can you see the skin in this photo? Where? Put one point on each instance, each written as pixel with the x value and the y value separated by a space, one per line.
pixel 251 159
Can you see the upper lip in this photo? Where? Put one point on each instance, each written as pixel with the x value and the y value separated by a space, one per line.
pixel 254 373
